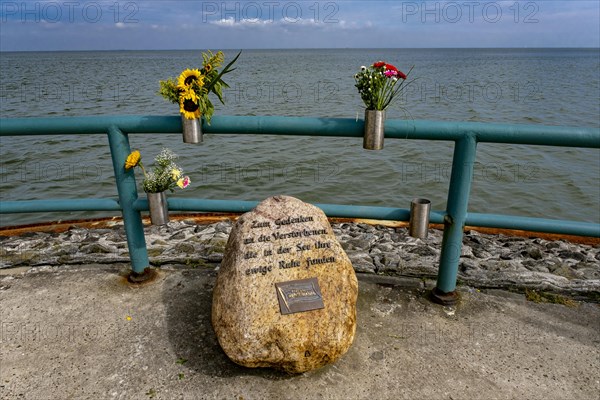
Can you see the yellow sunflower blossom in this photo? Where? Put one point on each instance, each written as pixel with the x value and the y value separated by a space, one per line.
pixel 188 77
pixel 188 105
pixel 133 160
pixel 189 94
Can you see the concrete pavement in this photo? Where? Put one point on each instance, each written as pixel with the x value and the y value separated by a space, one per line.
pixel 82 332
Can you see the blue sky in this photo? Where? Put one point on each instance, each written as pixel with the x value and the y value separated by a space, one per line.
pixel 160 24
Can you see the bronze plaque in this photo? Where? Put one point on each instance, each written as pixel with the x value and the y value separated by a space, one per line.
pixel 298 296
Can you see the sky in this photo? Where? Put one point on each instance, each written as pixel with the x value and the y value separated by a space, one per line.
pixel 44 25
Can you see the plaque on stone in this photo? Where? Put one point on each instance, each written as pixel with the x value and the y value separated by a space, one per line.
pixel 285 295
pixel 299 296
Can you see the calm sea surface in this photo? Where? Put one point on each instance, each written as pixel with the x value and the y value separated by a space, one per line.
pixel 526 86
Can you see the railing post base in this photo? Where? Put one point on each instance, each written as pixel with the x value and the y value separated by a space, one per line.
pixel 445 299
pixel 146 276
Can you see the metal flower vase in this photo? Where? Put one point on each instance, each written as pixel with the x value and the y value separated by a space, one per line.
pixel 192 130
pixel 159 210
pixel 374 132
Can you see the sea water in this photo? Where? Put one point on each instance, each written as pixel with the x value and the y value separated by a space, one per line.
pixel 521 86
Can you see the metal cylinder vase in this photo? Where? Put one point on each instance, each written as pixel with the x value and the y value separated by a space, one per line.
pixel 419 218
pixel 192 130
pixel 374 132
pixel 159 210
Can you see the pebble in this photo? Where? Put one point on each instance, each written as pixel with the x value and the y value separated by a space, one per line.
pixel 498 261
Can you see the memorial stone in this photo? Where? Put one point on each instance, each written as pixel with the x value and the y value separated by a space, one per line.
pixel 285 295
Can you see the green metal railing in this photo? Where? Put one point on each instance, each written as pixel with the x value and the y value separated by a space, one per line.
pixel 465 135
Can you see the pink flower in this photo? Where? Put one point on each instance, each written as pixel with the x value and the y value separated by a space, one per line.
pixel 390 73
pixel 184 182
pixel 397 72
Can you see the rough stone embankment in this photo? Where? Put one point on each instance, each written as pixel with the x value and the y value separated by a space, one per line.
pixel 492 261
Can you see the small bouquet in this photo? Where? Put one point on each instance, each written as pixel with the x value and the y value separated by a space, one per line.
pixel 166 176
pixel 192 87
pixel 379 84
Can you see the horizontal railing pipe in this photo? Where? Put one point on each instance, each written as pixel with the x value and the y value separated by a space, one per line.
pixel 89 125
pixel 534 224
pixel 331 210
pixel 56 205
pixel 182 204
pixel 308 126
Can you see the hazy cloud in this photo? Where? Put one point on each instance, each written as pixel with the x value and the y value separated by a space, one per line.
pixel 160 24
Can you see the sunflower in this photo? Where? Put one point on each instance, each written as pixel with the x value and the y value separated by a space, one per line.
pixel 188 105
pixel 188 77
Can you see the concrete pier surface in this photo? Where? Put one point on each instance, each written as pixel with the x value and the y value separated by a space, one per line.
pixel 83 332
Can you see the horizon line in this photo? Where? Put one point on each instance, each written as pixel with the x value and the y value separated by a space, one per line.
pixel 314 48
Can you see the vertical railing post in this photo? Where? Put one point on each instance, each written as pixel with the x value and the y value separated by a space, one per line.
pixel 461 177
pixel 126 186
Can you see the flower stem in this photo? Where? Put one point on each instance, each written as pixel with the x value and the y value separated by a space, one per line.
pixel 143 169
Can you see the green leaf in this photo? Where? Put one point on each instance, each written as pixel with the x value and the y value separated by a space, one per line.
pixel 224 71
pixel 218 91
pixel 181 361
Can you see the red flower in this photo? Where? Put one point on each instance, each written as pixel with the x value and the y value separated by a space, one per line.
pixel 379 64
pixel 400 74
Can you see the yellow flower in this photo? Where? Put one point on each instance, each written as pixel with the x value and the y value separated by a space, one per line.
pixel 175 174
pixel 188 77
pixel 184 182
pixel 188 105
pixel 218 59
pixel 189 94
pixel 133 159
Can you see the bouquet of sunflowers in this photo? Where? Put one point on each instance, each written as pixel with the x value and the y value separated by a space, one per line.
pixel 166 176
pixel 191 89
